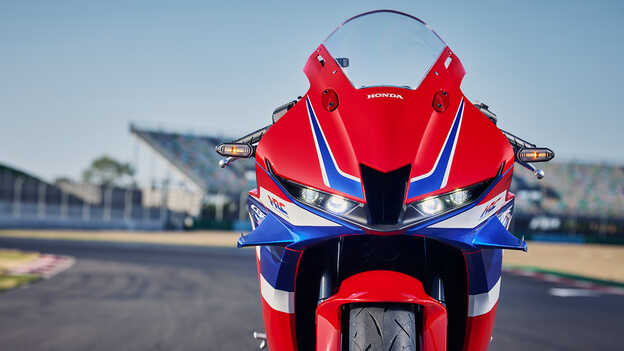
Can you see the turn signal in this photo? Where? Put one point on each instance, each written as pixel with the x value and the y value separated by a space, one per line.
pixel 535 155
pixel 235 150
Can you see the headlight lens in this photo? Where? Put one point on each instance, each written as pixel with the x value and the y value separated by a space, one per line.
pixel 308 195
pixel 431 205
pixel 437 205
pixel 459 197
pixel 357 212
pixel 334 204
pixel 337 204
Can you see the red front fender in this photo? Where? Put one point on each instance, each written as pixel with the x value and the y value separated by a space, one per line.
pixel 375 287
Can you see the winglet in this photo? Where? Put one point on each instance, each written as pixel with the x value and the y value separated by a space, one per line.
pixel 493 234
pixel 271 231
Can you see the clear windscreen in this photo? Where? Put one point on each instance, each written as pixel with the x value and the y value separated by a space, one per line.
pixel 384 48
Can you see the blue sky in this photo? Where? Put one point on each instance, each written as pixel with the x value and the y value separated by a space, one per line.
pixel 74 73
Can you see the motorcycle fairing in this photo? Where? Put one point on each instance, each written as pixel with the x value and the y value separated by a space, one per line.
pixel 323 149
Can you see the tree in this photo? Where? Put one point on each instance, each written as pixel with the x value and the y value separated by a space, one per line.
pixel 105 170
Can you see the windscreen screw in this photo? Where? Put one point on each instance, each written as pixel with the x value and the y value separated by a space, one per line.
pixel 440 101
pixel 329 99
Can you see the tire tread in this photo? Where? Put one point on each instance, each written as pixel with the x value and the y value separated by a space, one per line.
pixel 389 327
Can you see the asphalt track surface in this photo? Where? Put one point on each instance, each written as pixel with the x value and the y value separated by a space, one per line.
pixel 147 297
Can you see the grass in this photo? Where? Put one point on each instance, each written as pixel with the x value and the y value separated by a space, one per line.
pixel 8 281
pixel 13 258
pixel 598 262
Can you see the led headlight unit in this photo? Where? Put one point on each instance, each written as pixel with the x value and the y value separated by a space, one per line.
pixel 437 205
pixel 330 203
pixel 358 213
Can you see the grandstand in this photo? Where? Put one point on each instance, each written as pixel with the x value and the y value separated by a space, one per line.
pixel 194 156
pixel 573 188
pixel 222 190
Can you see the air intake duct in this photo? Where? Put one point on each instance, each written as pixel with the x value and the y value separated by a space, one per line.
pixel 385 194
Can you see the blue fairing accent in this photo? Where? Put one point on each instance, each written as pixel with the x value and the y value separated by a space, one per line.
pixel 278 266
pixel 274 231
pixel 484 269
pixel 434 181
pixel 256 210
pixel 495 235
pixel 336 180
pixel 489 234
pixel 270 232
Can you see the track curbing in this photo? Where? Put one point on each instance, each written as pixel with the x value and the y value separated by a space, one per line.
pixel 45 266
pixel 604 286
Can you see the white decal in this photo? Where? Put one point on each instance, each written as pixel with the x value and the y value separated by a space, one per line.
pixel 472 217
pixel 386 95
pixel 279 300
pixel 291 212
pixel 483 303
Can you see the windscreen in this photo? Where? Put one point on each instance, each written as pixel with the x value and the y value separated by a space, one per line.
pixel 384 48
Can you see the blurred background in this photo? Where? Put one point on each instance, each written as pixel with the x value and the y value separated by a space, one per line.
pixel 110 113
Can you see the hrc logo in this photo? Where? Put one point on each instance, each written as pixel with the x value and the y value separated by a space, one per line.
pixel 489 208
pixel 278 205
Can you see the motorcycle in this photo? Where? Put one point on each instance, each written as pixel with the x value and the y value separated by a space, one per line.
pixel 382 203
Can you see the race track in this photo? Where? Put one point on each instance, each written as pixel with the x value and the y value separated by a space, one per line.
pixel 142 297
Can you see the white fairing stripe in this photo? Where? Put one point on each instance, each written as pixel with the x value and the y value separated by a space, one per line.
pixel 483 303
pixel 318 150
pixel 293 213
pixel 473 217
pixel 450 161
pixel 279 300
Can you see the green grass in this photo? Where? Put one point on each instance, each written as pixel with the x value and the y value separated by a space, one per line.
pixel 8 281
pixel 14 258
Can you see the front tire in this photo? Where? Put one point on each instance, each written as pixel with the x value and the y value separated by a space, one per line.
pixel 387 327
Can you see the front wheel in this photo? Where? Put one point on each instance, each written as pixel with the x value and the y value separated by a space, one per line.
pixel 387 327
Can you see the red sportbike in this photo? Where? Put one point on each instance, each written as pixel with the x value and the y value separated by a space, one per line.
pixel 382 202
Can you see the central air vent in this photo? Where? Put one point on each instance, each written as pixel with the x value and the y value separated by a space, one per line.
pixel 385 193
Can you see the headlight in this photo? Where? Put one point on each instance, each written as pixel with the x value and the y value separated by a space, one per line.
pixel 337 205
pixel 357 212
pixel 437 205
pixel 431 206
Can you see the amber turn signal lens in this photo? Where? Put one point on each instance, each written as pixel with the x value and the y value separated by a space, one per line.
pixel 535 155
pixel 235 150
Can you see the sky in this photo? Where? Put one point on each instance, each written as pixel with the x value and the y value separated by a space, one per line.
pixel 74 74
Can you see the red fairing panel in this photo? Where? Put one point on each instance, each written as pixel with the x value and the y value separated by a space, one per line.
pixel 279 326
pixel 372 286
pixel 383 132
pixel 479 331
pixel 280 329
